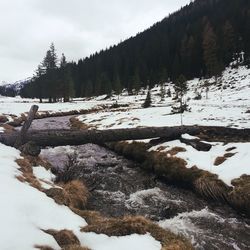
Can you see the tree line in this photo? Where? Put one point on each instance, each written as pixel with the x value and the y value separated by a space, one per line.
pixel 199 40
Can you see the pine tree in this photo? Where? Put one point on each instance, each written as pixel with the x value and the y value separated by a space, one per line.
pixel 147 103
pixel 136 84
pixel 66 81
pixel 162 92
pixel 180 87
pixel 50 65
pixel 228 44
pixel 117 86
pixel 210 51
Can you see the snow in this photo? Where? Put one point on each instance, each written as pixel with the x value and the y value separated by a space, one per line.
pixel 232 168
pixel 25 211
pixel 226 105
pixel 17 105
pixel 132 242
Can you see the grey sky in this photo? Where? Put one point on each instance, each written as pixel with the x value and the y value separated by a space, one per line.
pixel 77 27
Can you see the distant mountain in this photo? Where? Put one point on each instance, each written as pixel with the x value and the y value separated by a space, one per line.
pixel 13 89
pixel 199 40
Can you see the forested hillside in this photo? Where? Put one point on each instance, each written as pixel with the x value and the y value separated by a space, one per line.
pixel 201 39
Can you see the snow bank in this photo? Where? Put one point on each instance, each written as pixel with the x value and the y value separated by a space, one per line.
pixel 25 211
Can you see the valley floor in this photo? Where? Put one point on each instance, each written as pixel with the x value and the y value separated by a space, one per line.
pixel 25 211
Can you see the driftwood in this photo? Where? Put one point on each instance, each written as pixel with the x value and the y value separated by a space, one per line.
pixel 78 137
pixel 20 140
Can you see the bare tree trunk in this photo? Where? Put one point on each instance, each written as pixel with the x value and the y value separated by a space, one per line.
pixel 79 137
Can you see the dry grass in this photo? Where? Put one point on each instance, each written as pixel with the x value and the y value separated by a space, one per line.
pixel 175 150
pixel 64 237
pixel 27 173
pixel 228 155
pixel 209 186
pixel 3 119
pixel 239 197
pixel 76 193
pixel 139 225
pixel 43 247
pixel 7 128
pixel 230 149
pixel 73 194
pixel 76 124
pixel 91 217
pixel 161 148
pixel 75 247
pixel 219 160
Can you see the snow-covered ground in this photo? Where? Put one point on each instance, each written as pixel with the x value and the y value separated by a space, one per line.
pixel 25 211
pixel 225 104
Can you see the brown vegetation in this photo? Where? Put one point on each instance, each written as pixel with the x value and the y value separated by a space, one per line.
pixel 73 194
pixel 230 149
pixel 8 129
pixel 27 173
pixel 209 186
pixel 139 225
pixel 43 247
pixel 64 237
pixel 76 124
pixel 66 240
pixel 91 217
pixel 75 247
pixel 3 119
pixel 173 170
pixel 239 197
pixel 219 160
pixel 176 150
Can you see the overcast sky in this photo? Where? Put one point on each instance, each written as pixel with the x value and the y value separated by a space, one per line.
pixel 77 27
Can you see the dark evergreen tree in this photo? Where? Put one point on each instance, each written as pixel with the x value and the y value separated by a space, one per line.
pixel 210 51
pixel 147 103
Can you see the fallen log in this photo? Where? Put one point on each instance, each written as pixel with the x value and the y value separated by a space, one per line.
pixel 78 137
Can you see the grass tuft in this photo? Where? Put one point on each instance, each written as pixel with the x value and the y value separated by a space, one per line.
pixel 139 225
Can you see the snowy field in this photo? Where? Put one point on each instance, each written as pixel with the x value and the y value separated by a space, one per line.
pixel 225 104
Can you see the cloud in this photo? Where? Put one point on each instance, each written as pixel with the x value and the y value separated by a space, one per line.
pixel 77 27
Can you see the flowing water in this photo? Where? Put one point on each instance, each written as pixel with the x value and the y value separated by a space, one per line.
pixel 119 187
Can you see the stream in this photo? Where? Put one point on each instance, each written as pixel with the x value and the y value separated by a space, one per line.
pixel 120 187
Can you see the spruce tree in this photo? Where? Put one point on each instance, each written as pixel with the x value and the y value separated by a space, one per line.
pixel 210 51
pixel 147 103
pixel 228 45
pixel 66 81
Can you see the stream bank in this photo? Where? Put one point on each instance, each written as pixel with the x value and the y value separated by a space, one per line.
pixel 120 187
